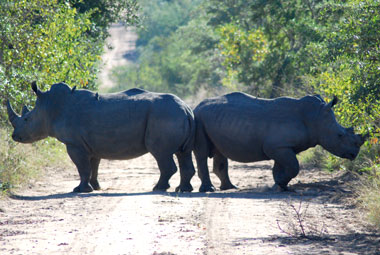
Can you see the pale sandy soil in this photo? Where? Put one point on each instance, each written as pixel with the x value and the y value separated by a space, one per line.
pixel 125 217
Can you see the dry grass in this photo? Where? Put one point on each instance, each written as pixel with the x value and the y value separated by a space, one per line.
pixel 22 163
pixel 296 223
pixel 367 168
pixel 369 198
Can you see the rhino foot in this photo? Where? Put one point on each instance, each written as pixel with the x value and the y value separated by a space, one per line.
pixel 281 188
pixel 83 189
pixel 161 187
pixel 207 188
pixel 95 185
pixel 228 186
pixel 184 188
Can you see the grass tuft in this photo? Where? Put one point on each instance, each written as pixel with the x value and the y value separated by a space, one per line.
pixel 312 158
pixel 369 197
pixel 23 163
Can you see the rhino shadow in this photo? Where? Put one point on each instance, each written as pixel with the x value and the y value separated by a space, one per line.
pixel 331 190
pixel 250 193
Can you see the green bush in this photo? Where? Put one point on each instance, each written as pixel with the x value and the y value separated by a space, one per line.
pixel 44 41
pixel 313 157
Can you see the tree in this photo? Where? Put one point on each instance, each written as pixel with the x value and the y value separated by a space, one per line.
pixel 351 63
pixel 103 13
pixel 271 41
pixel 47 42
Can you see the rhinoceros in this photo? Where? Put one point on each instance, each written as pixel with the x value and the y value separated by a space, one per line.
pixel 244 128
pixel 117 126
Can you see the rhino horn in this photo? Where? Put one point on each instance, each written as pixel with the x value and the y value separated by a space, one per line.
pixel 11 114
pixel 364 137
pixel 25 110
pixel 36 89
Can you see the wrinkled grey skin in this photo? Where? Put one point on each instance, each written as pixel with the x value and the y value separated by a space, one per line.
pixel 248 129
pixel 122 125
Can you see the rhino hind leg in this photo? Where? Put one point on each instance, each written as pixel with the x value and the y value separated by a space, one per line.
pixel 204 175
pixel 285 168
pixel 94 173
pixel 187 171
pixel 201 152
pixel 82 162
pixel 167 169
pixel 220 168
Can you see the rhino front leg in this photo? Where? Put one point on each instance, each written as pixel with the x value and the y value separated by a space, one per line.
pixel 167 169
pixel 220 168
pixel 187 171
pixel 94 173
pixel 82 161
pixel 285 168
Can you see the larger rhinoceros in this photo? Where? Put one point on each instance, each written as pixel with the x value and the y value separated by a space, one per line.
pixel 120 125
pixel 248 129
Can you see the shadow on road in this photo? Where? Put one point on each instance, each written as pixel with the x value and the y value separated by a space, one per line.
pixel 330 190
pixel 257 193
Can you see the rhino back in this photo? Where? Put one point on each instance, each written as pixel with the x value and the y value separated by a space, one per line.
pixel 239 125
pixel 112 125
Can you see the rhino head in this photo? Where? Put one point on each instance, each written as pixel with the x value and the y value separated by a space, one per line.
pixel 340 141
pixel 31 126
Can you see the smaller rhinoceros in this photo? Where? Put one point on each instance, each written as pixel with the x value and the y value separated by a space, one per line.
pixel 120 125
pixel 248 129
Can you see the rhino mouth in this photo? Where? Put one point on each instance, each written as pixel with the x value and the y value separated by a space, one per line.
pixel 20 139
pixel 16 138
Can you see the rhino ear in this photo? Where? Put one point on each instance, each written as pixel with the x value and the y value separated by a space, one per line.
pixel 36 89
pixel 333 102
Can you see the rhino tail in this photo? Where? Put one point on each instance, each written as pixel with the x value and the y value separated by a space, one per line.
pixel 189 142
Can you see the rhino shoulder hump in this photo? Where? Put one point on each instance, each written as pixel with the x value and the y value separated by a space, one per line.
pixel 134 91
pixel 237 95
pixel 221 100
pixel 60 88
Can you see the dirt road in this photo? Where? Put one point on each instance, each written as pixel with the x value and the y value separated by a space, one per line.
pixel 119 51
pixel 125 217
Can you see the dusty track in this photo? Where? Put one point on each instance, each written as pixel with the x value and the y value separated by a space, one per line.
pixel 119 51
pixel 125 217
